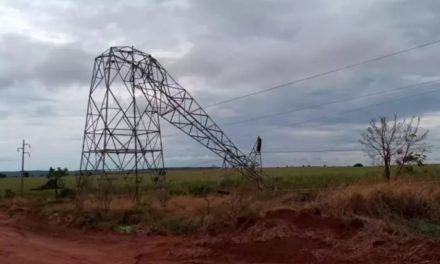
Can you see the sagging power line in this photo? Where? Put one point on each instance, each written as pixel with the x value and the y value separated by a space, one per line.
pixel 339 113
pixel 310 151
pixel 367 106
pixel 343 100
pixel 325 73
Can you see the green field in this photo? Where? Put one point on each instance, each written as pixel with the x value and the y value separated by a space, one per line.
pixel 181 181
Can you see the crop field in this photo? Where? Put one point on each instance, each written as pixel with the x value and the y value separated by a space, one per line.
pixel 178 181
pixel 294 177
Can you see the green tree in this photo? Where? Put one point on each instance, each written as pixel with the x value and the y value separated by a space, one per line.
pixel 55 180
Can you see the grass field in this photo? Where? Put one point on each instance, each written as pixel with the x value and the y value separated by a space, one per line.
pixel 181 181
pixel 192 201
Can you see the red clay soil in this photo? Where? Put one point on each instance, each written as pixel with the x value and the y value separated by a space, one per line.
pixel 281 236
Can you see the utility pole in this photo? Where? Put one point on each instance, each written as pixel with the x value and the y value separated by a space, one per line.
pixel 23 152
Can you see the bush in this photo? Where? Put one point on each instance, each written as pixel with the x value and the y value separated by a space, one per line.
pixel 358 165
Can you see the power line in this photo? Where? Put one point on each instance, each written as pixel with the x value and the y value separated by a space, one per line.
pixel 368 106
pixel 310 151
pixel 349 110
pixel 353 109
pixel 321 74
pixel 329 103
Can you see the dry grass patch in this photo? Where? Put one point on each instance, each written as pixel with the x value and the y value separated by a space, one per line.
pixel 405 199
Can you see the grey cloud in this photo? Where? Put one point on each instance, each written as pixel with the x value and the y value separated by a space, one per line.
pixel 236 47
pixel 66 65
pixel 255 60
pixel 98 24
pixel 4 114
pixel 28 62
pixel 33 99
pixel 7 159
pixel 45 110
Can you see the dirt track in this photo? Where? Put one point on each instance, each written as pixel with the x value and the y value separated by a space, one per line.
pixel 22 244
pixel 282 236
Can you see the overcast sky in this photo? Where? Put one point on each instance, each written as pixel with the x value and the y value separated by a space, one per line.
pixel 218 50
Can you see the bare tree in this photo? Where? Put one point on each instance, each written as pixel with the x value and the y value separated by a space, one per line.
pixel 414 148
pixel 396 141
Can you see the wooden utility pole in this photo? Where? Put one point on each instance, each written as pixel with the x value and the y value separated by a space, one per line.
pixel 23 152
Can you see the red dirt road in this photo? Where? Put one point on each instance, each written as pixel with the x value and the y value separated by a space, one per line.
pixel 22 244
pixel 282 236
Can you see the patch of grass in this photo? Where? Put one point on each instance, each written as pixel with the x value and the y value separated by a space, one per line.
pixel 426 227
pixel 140 218
pixel 201 189
pixel 9 194
pixel 175 226
pixel 125 229
pixel 383 203
pixel 96 218
pixel 396 200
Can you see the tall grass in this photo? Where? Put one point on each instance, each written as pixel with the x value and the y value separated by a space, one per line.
pixel 400 199
pixel 414 199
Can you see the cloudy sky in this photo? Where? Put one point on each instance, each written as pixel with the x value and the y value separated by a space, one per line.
pixel 219 50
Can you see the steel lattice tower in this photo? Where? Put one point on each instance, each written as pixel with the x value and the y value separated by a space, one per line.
pixel 130 92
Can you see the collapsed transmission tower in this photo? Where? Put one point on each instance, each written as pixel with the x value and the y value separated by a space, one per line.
pixel 130 93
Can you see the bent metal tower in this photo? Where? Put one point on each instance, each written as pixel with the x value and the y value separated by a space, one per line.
pixel 130 94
